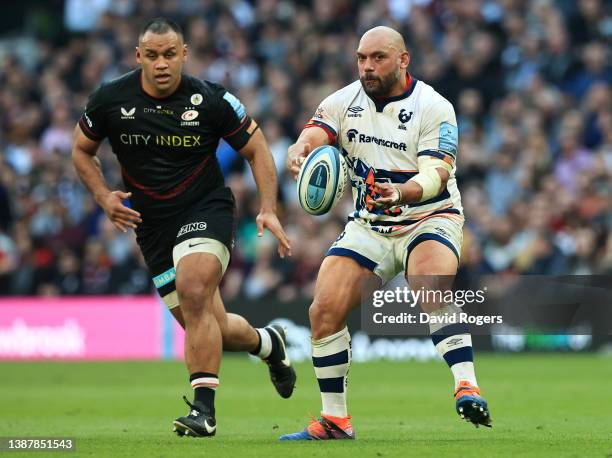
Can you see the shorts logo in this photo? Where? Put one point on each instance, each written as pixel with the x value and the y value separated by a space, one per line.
pixel 127 114
pixel 196 99
pixel 191 227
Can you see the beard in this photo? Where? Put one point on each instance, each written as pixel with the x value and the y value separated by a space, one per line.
pixel 379 86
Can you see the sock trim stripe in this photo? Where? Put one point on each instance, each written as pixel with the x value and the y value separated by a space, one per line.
pixel 448 331
pixel 331 371
pixel 459 355
pixel 211 382
pixel 197 375
pixel 331 385
pixel 331 360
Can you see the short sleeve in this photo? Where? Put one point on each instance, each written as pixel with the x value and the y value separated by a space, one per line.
pixel 439 134
pixel 327 117
pixel 231 120
pixel 93 121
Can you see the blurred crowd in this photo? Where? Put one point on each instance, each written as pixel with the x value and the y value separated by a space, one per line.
pixel 530 81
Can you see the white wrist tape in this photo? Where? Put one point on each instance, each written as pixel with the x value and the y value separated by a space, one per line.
pixel 428 177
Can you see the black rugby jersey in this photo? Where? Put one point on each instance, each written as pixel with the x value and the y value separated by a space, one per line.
pixel 166 147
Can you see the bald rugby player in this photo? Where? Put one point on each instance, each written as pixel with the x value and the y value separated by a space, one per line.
pixel 399 139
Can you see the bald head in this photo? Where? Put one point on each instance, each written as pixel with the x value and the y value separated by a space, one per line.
pixel 383 61
pixel 383 37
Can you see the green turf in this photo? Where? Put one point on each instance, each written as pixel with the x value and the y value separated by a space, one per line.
pixel 541 405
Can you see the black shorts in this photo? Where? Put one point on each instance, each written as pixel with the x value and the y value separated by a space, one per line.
pixel 214 217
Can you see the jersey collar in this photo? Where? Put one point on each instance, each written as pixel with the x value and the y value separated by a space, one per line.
pixel 381 102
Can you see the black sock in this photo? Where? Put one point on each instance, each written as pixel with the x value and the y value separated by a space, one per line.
pixel 204 391
pixel 258 347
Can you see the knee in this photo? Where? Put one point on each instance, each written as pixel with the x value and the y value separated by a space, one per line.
pixel 194 295
pixel 326 318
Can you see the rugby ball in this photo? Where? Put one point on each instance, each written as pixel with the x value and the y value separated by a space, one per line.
pixel 320 184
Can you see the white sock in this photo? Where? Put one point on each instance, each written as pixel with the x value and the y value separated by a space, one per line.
pixel 464 371
pixel 266 343
pixel 454 344
pixel 331 358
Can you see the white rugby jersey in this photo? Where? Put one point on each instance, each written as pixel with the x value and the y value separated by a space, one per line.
pixel 381 140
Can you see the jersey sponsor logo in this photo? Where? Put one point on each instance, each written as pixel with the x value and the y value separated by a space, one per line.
pixel 158 110
pixel 164 278
pixel 191 227
pixel 449 138
pixel 196 99
pixel 134 139
pixel 236 105
pixel 89 123
pixel 128 114
pixel 185 141
pixel 353 135
pixel 355 112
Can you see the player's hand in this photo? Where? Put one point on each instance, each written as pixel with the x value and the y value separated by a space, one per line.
pixel 269 220
pixel 390 195
pixel 120 215
pixel 296 154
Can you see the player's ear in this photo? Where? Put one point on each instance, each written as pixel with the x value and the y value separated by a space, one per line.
pixel 138 59
pixel 404 60
pixel 184 52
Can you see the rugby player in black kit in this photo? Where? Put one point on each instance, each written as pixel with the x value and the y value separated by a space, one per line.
pixel 164 127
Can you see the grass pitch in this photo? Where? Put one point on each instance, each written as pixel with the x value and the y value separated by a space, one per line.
pixel 541 405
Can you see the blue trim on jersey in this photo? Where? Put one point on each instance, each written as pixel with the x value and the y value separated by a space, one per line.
pixel 164 278
pixel 439 198
pixel 448 138
pixel 404 222
pixel 434 153
pixel 382 103
pixel 325 125
pixel 236 105
pixel 331 385
pixel 450 330
pixel 436 237
pixel 359 258
pixel 393 176
pixel 331 360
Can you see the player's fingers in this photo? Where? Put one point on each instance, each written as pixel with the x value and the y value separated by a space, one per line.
pixel 123 195
pixel 119 226
pixel 127 223
pixel 260 226
pixel 278 232
pixel 129 213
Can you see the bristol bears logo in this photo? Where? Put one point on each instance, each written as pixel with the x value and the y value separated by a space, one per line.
pixel 403 116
